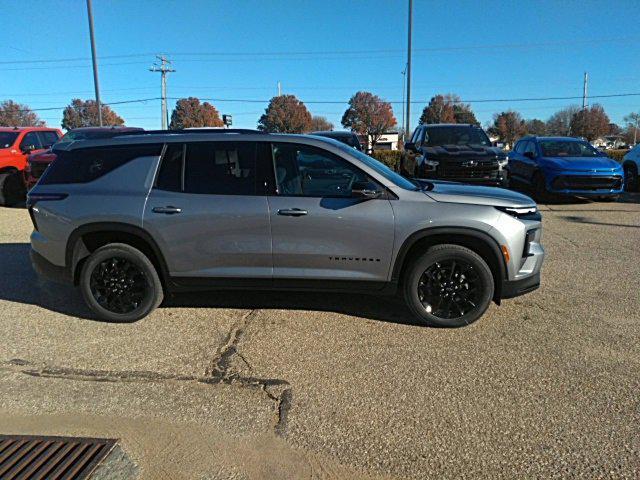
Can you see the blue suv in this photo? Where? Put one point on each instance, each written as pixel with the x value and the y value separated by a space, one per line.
pixel 564 166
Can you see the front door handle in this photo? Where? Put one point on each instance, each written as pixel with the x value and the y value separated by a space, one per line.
pixel 292 212
pixel 169 210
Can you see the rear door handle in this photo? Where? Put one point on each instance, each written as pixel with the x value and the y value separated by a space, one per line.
pixel 169 210
pixel 292 212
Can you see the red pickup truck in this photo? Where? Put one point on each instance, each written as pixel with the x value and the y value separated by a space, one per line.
pixel 16 143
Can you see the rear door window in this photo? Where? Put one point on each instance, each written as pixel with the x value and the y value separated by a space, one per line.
pixel 31 140
pixel 48 138
pixel 87 164
pixel 220 168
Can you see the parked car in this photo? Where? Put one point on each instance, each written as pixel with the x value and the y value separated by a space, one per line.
pixel 346 137
pixel 16 143
pixel 564 166
pixel 38 162
pixel 631 166
pixel 133 218
pixel 457 152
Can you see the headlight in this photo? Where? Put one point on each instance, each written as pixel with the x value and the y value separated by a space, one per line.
pixel 430 164
pixel 525 213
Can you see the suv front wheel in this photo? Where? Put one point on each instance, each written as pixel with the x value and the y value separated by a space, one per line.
pixel 448 286
pixel 120 284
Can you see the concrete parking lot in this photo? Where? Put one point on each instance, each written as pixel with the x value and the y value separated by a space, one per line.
pixel 258 385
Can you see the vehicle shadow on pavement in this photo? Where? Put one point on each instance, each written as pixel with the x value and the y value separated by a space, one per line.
pixel 19 283
pixel 380 308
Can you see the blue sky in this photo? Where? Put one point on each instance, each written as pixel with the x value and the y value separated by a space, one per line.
pixel 239 50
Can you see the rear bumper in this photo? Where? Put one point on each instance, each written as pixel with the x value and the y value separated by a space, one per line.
pixel 45 269
pixel 515 288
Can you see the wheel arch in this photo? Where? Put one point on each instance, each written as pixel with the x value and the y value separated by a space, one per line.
pixel 476 240
pixel 85 239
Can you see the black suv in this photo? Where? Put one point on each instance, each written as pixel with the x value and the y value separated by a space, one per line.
pixel 457 152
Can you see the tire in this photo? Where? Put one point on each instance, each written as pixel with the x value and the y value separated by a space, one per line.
pixel 120 284
pixel 12 189
pixel 631 180
pixel 540 188
pixel 469 273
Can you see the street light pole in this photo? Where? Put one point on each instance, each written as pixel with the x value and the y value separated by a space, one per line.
pixel 408 118
pixel 404 86
pixel 95 61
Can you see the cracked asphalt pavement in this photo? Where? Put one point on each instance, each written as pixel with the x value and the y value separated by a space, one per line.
pixel 246 385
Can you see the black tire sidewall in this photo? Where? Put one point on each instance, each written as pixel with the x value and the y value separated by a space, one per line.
pixel 631 186
pixel 151 301
pixel 440 253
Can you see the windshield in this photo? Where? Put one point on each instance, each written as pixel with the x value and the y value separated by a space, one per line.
pixel 438 136
pixel 7 139
pixel 567 148
pixel 379 167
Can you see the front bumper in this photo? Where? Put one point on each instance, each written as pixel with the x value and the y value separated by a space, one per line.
pixel 515 288
pixel 45 269
pixel 571 183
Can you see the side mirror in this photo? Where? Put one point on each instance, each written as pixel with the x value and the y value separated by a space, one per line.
pixel 530 155
pixel 410 147
pixel 27 148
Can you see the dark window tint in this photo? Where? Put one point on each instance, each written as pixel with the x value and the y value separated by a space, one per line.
pixel 302 170
pixel 531 147
pixel 87 164
pixel 7 139
pixel 30 140
pixel 48 138
pixel 170 174
pixel 220 168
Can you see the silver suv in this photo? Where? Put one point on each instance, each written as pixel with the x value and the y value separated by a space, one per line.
pixel 139 216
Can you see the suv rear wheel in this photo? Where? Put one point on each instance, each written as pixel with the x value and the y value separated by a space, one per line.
pixel 448 286
pixel 12 188
pixel 120 284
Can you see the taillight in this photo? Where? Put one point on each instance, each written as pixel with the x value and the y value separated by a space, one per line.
pixel 34 198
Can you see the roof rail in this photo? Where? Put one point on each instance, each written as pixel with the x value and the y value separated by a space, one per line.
pixel 193 130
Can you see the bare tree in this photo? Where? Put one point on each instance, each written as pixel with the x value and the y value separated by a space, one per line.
pixel 509 126
pixel 560 122
pixel 320 124
pixel 590 123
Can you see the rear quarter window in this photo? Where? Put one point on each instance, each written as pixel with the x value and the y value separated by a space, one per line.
pixel 88 164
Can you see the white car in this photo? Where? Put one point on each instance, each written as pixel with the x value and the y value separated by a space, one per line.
pixel 631 165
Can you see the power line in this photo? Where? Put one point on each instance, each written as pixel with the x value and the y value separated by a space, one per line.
pixel 484 100
pixel 341 52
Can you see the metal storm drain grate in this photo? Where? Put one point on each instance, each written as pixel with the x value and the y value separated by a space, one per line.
pixel 34 457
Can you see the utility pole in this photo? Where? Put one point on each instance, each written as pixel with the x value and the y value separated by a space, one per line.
pixel 408 121
pixel 584 90
pixel 95 62
pixel 163 68
pixel 404 86
pixel 279 89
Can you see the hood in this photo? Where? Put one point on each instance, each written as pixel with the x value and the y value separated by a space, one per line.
pixel 582 164
pixel 46 156
pixel 455 151
pixel 477 195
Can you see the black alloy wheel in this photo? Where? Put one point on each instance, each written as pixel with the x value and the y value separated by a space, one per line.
pixel 450 288
pixel 119 285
